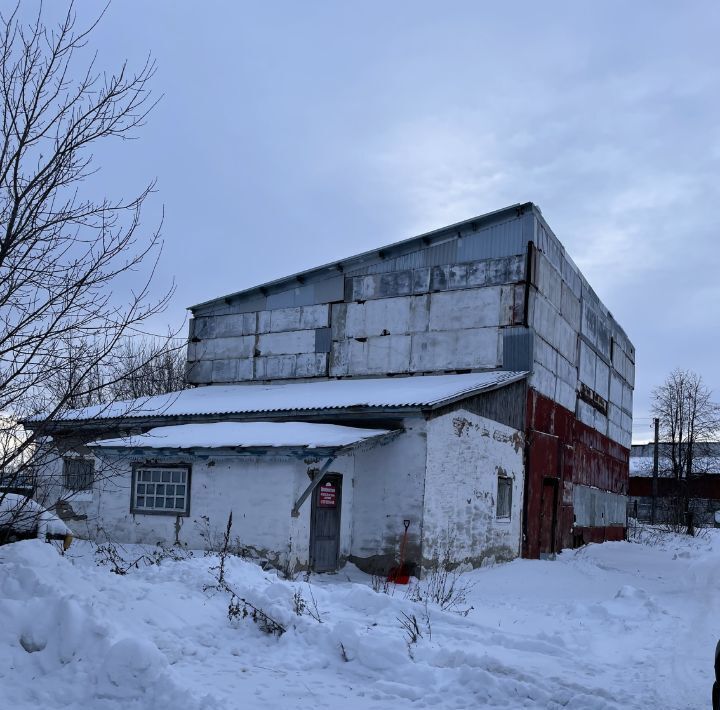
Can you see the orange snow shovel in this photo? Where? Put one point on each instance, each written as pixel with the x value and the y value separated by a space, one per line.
pixel 400 574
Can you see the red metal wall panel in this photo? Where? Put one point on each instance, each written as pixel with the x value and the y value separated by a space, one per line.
pixel 698 486
pixel 560 446
pixel 542 462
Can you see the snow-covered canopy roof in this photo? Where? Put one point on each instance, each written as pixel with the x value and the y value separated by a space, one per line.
pixel 24 514
pixel 378 393
pixel 246 435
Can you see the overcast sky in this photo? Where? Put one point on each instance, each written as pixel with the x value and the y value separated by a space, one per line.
pixel 291 134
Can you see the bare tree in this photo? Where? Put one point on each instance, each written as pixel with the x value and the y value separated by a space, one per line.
pixel 140 366
pixel 689 421
pixel 144 367
pixel 62 251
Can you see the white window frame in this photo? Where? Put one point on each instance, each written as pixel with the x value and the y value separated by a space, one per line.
pixel 507 483
pixel 152 483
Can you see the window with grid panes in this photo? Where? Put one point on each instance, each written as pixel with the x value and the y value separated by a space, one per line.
pixel 161 490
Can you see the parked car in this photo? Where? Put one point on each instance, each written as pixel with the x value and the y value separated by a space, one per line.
pixel 22 518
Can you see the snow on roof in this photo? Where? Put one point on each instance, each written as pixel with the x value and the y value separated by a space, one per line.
pixel 430 390
pixel 245 434
pixel 24 514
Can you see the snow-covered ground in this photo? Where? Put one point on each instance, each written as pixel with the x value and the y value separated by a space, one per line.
pixel 619 625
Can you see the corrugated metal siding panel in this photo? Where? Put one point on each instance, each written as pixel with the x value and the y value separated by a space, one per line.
pixel 324 291
pixel 504 239
pixel 518 349
pixel 323 340
pixel 443 253
pixel 550 246
pixel 499 240
pixel 432 256
pixel 249 304
pixel 414 260
pixel 505 405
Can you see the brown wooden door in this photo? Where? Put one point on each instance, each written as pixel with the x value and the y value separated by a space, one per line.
pixel 325 524
pixel 542 464
pixel 548 516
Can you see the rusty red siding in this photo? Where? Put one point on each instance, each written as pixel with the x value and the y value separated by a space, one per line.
pixel 561 452
pixel 697 486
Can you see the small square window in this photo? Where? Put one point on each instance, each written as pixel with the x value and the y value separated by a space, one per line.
pixel 504 497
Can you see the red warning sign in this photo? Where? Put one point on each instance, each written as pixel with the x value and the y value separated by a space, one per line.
pixel 327 498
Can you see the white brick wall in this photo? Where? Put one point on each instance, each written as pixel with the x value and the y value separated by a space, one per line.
pixel 465 455
pixel 389 482
pixel 259 492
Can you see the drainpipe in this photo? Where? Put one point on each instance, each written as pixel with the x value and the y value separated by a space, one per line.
pixel 295 512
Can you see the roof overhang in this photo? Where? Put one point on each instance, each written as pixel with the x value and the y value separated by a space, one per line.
pixel 248 437
pixel 361 399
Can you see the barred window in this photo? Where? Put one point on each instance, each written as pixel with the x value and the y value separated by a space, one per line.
pixel 78 474
pixel 161 490
pixel 504 497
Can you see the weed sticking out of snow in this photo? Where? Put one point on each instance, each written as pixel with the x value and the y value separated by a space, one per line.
pixel 238 607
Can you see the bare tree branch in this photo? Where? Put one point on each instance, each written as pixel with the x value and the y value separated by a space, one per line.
pixel 63 330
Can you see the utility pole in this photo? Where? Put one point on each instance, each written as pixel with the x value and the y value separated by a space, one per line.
pixel 655 471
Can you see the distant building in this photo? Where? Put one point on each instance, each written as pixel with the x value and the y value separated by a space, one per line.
pixel 468 381
pixel 702 487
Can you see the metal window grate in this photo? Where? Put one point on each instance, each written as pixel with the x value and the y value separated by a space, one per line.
pixel 161 490
pixel 78 474
pixel 504 497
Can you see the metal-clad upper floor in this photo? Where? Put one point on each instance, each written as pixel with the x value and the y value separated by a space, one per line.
pixel 497 234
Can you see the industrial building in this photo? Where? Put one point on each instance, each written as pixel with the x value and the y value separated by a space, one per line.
pixel 466 384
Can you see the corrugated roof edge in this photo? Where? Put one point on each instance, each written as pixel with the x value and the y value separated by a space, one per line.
pixel 302 411
pixel 383 436
pixel 346 263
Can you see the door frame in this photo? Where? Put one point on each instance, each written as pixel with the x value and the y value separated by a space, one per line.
pixel 549 482
pixel 338 478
